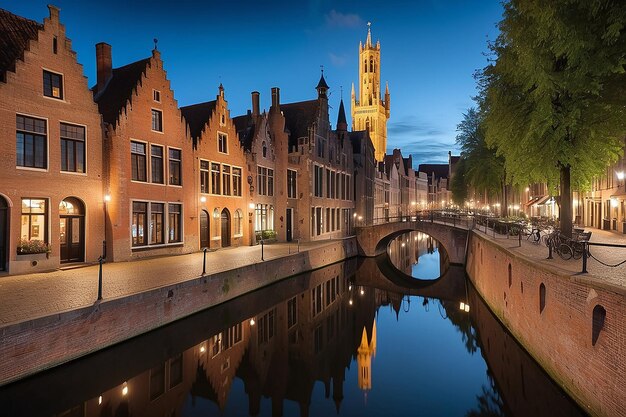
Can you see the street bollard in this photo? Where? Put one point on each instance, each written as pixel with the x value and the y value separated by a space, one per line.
pixel 100 260
pixel 519 233
pixel 204 262
pixel 262 247
pixel 549 249
pixel 585 249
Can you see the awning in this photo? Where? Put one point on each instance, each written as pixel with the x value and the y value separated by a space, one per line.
pixel 532 201
pixel 546 199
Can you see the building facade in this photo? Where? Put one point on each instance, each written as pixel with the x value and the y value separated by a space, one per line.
pixel 51 191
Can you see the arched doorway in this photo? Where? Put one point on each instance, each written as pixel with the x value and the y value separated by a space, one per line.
pixel 205 237
pixel 72 230
pixel 225 228
pixel 4 233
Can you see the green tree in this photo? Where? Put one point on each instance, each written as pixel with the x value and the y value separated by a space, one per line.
pixel 553 96
pixel 458 183
pixel 484 169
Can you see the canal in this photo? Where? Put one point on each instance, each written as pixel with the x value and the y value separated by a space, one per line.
pixel 348 339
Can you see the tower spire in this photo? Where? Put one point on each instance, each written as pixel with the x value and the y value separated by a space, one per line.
pixel 368 42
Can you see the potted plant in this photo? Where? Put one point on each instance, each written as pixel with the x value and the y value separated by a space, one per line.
pixel 28 247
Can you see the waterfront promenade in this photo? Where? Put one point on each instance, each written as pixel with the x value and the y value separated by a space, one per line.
pixel 24 297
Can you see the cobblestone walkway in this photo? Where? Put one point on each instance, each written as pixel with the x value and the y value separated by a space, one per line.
pixel 29 296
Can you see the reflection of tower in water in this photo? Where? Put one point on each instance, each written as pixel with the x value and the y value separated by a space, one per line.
pixel 365 352
pixel 430 245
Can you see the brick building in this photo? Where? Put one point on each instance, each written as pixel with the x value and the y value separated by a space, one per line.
pixel 221 168
pixel 148 160
pixel 51 196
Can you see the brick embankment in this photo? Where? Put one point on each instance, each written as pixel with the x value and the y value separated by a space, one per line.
pixel 571 323
pixel 29 345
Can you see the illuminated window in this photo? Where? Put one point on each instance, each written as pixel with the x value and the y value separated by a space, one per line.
pixel 52 85
pixel 34 219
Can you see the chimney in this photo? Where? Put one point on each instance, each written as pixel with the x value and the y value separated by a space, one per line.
pixel 276 99
pixel 255 103
pixel 103 65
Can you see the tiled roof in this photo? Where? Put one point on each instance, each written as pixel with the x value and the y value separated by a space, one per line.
pixel 440 170
pixel 119 89
pixel 197 115
pixel 322 83
pixel 15 32
pixel 245 130
pixel 299 117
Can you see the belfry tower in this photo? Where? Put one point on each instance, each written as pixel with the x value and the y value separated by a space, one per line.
pixel 370 112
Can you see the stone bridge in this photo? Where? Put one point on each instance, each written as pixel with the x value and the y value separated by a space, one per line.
pixel 373 240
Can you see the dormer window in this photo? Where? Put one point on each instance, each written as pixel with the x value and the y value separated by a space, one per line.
pixel 156 96
pixel 52 85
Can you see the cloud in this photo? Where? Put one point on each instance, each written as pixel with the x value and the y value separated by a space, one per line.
pixel 338 60
pixel 410 125
pixel 341 20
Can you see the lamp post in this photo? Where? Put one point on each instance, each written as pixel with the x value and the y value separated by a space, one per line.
pixel 251 206
pixel 102 257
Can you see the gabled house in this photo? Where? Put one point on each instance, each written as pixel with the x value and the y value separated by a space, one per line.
pixel 148 161
pixel 51 196
pixel 222 172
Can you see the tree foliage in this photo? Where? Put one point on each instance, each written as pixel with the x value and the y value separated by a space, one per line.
pixel 484 169
pixel 553 97
pixel 458 183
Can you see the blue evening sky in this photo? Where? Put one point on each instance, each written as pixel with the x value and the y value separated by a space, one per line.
pixel 429 52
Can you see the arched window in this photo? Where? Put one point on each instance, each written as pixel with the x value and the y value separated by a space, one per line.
pixel 599 315
pixel 542 297
pixel 371 64
pixel 365 65
pixel 264 149
pixel 238 222
pixel 216 219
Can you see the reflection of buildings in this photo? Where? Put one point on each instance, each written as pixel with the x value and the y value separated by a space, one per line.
pixel 365 352
pixel 406 250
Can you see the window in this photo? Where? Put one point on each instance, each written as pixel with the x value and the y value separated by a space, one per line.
pixel 266 327
pixel 318 179
pixel 156 163
pixel 175 166
pixel 34 216
pixel 318 216
pixel 140 212
pixel 292 312
pixel 238 223
pixel 52 85
pixel 157 382
pixel 174 224
pixel 316 300
pixel 265 181
pixel 176 370
pixel 156 223
pixel 72 148
pixel 270 182
pixel 215 178
pixel 204 177
pixel 138 161
pixel 157 120
pixel 237 181
pixel 156 96
pixel 291 183
pixel 328 176
pixel 31 142
pixel 264 149
pixel 55 45
pixel 222 142
pixel 320 148
pixel 225 179
pixel 264 217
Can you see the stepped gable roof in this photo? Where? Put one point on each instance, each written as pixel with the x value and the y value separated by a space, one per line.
pixel 246 128
pixel 197 115
pixel 15 32
pixel 119 90
pixel 299 117
pixel 440 170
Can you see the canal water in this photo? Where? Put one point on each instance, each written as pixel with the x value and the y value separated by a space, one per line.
pixel 366 337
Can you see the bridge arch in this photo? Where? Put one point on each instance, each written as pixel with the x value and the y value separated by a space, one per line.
pixel 373 240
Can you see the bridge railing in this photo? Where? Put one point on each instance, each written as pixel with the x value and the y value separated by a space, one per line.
pixel 458 220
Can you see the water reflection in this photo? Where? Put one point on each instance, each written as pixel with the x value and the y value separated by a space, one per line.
pixel 341 340
pixel 417 254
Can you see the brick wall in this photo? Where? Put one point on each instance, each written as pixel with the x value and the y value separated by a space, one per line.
pixel 558 331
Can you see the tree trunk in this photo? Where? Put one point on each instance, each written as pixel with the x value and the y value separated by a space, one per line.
pixel 505 200
pixel 565 209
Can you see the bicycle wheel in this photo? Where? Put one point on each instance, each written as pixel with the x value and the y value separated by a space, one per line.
pixel 565 251
pixel 577 250
pixel 546 240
